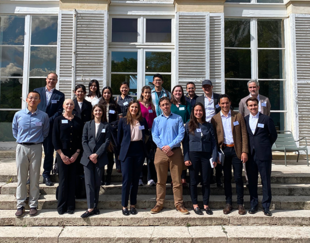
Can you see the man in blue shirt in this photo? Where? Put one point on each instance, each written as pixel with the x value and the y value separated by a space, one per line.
pixel 158 92
pixel 30 127
pixel 168 132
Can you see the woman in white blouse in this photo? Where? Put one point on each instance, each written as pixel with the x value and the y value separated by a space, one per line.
pixel 93 92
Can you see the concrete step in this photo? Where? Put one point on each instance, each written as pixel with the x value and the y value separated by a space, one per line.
pixel 168 217
pixel 8 202
pixel 180 234
pixel 277 189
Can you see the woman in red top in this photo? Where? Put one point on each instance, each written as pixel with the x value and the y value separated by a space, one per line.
pixel 149 113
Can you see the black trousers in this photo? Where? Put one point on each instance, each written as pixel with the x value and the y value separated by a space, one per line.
pixel 109 169
pixel 254 166
pixel 93 175
pixel 131 169
pixel 151 172
pixel 218 173
pixel 231 159
pixel 66 190
pixel 200 163
pixel 48 154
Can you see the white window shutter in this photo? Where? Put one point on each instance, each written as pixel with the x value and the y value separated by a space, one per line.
pixel 65 52
pixel 90 46
pixel 302 28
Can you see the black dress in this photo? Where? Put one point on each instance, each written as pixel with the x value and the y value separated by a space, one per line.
pixel 67 136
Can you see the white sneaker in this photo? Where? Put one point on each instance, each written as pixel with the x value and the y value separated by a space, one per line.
pixel 151 183
pixel 140 182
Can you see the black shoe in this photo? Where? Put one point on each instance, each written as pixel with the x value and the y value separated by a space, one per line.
pixel 253 210
pixel 267 212
pixel 198 211
pixel 70 211
pixel 133 210
pixel 208 211
pixel 125 211
pixel 96 211
pixel 88 214
pixel 47 181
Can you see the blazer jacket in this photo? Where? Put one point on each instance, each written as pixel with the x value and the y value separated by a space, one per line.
pixel 96 144
pixel 265 105
pixel 85 113
pixel 194 142
pixel 262 140
pixel 54 106
pixel 124 137
pixel 216 96
pixel 239 132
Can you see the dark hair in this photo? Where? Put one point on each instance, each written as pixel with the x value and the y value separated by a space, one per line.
pixel 190 83
pixel 224 96
pixel 112 102
pixel 173 100
pixel 97 84
pixel 128 115
pixel 36 92
pixel 158 76
pixel 141 97
pixel 103 118
pixel 251 99
pixel 111 98
pixel 164 98
pixel 193 122
pixel 80 86
pixel 124 83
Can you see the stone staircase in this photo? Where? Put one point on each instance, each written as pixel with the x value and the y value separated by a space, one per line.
pixel 290 221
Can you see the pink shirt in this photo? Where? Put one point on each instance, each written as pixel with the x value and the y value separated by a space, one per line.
pixel 148 114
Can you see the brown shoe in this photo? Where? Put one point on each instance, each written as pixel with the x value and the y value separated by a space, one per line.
pixel 33 212
pixel 157 209
pixel 241 209
pixel 181 209
pixel 227 209
pixel 20 212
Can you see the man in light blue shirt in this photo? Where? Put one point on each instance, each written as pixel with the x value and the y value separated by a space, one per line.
pixel 168 132
pixel 30 127
pixel 158 92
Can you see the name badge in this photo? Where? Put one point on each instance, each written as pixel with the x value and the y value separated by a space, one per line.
pixel 64 121
pixel 39 124
pixel 125 103
pixel 150 111
pixel 217 106
pixel 103 130
pixel 112 111
pixel 261 125
pixel 54 101
pixel 236 123
pixel 264 104
pixel 182 108
pixel 141 127
pixel 198 129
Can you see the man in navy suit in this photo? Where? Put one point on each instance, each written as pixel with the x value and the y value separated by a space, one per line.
pixel 261 135
pixel 51 103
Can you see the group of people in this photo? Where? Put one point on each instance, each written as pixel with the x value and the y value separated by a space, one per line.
pixel 172 131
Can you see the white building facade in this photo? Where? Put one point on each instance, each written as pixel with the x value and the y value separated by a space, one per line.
pixel 184 40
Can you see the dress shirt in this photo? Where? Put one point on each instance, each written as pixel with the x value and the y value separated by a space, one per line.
pixel 48 95
pixel 94 101
pixel 124 103
pixel 30 127
pixel 80 105
pixel 253 122
pixel 168 131
pixel 226 121
pixel 209 108
pixel 156 98
pixel 259 103
pixel 107 112
pixel 96 128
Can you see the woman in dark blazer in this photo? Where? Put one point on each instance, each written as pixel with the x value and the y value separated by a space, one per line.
pixel 131 138
pixel 199 145
pixel 95 140
pixel 67 134
pixel 112 111
pixel 82 108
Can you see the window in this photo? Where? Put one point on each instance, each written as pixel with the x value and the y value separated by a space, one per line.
pixel 39 56
pixel 137 62
pixel 254 49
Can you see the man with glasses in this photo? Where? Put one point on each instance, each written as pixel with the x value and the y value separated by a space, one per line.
pixel 51 103
pixel 191 95
pixel 158 92
pixel 30 127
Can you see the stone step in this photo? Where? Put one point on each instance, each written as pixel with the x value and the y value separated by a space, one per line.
pixel 277 189
pixel 8 202
pixel 168 217
pixel 180 234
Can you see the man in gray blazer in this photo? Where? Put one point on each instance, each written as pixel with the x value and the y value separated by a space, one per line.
pixel 264 103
